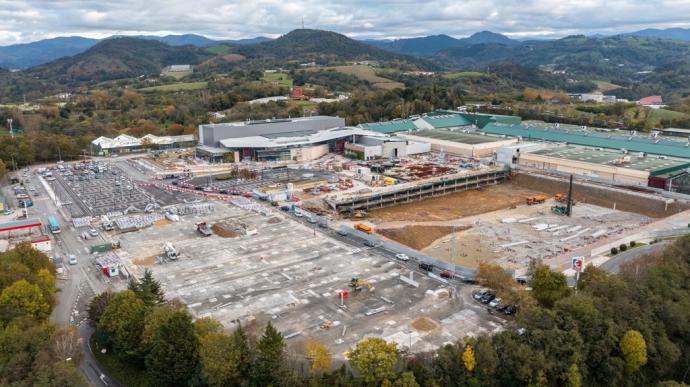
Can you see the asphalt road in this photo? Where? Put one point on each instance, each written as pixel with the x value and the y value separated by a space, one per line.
pixel 613 265
pixel 76 280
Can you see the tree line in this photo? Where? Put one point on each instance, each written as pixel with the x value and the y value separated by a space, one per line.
pixel 33 351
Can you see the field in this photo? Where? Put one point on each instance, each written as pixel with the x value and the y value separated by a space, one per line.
pixel 281 78
pixel 367 73
pixel 654 116
pixel 182 86
pixel 220 49
pixel 462 74
pixel 605 86
pixel 176 74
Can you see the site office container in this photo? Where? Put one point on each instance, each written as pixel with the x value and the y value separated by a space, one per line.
pixel 102 248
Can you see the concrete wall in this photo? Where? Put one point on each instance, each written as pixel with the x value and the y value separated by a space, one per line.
pixel 388 149
pixel 604 172
pixel 624 200
pixel 505 154
pixel 308 153
pixel 418 147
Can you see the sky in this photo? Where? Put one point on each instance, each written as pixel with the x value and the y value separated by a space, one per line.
pixel 23 21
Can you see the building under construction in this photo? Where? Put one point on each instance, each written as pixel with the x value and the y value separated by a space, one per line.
pixel 417 190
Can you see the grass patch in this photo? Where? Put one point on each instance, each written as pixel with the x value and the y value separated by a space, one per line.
pixel 281 78
pixel 462 74
pixel 306 104
pixel 182 86
pixel 220 49
pixel 367 73
pixel 125 374
pixel 605 86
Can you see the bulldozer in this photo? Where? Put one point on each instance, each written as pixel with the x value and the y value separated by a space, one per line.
pixel 358 284
pixel 360 214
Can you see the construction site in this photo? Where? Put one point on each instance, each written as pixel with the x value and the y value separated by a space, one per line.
pixel 305 282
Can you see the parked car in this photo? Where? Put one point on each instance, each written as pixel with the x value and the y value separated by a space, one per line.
pixel 447 274
pixel 8 211
pixel 510 309
pixel 93 232
pixel 495 303
pixel 426 266
pixel 479 294
pixel 487 298
pixel 402 257
pixel 22 196
pixel 72 259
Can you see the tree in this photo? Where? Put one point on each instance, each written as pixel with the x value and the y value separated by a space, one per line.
pixel 634 350
pixel 571 378
pixel 174 353
pixel 147 289
pixel 319 356
pixel 406 379
pixel 23 299
pixel 123 324
pixel 468 358
pixel 98 305
pixel 225 360
pixel 374 358
pixel 548 286
pixel 269 365
pixel 66 344
pixel 3 169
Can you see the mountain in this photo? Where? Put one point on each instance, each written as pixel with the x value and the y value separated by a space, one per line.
pixel 668 33
pixel 604 56
pixel 119 58
pixel 242 42
pixel 323 47
pixel 485 37
pixel 176 40
pixel 430 45
pixel 42 51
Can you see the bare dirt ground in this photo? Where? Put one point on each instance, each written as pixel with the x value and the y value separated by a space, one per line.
pixel 469 249
pixel 417 237
pixel 456 205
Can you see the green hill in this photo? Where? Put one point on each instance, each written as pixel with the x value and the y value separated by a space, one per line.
pixel 119 58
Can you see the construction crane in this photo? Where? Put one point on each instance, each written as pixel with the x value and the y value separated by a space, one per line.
pixel 358 284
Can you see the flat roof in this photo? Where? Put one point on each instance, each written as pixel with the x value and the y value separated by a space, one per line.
pixel 20 224
pixel 390 126
pixel 460 137
pixel 594 138
pixel 611 158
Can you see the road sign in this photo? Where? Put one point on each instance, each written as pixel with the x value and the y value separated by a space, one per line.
pixel 578 263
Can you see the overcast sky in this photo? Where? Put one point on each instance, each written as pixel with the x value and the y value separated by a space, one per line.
pixel 29 20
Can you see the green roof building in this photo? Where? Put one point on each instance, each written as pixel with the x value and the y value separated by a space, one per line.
pixel 663 147
pixel 390 126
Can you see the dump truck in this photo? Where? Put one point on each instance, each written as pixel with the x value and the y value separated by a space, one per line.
pixel 363 228
pixel 563 198
pixel 203 229
pixel 535 199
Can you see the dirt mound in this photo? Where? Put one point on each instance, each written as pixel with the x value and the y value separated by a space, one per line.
pixel 273 220
pixel 418 237
pixel 424 324
pixel 220 230
pixel 144 261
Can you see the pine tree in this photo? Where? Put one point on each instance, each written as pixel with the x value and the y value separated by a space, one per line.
pixel 148 289
pixel 174 351
pixel 269 366
pixel 243 359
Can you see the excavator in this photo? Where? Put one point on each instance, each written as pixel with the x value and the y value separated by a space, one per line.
pixel 358 284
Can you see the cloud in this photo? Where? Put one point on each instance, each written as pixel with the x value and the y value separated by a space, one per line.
pixel 28 20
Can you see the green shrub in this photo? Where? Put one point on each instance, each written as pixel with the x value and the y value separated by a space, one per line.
pixel 633 243
pixel 623 247
pixel 614 251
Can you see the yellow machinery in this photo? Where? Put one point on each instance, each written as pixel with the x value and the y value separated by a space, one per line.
pixel 358 284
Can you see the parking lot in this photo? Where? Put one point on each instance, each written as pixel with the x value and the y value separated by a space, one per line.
pixel 99 188
pixel 260 179
pixel 292 275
